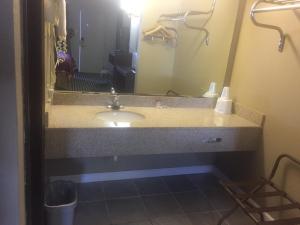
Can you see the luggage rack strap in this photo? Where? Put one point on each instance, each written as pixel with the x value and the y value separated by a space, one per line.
pixel 292 221
pixel 245 183
pixel 273 208
pixel 261 194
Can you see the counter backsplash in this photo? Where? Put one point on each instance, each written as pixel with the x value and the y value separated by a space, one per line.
pixel 73 98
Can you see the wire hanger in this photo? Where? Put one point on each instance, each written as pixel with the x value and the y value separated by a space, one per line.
pixel 182 17
pixel 161 32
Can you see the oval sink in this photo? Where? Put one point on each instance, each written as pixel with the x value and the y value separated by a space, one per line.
pixel 120 116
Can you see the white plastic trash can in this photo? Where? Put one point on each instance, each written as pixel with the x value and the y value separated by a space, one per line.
pixel 60 202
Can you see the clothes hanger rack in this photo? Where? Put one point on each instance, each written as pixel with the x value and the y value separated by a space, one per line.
pixel 181 17
pixel 278 5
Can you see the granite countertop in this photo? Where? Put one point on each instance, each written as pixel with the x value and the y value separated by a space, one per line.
pixel 68 116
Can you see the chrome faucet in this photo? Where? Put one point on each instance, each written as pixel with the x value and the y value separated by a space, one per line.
pixel 115 103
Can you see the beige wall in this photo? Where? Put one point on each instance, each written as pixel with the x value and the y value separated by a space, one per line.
pixel 196 65
pixel 269 81
pixel 189 67
pixel 156 59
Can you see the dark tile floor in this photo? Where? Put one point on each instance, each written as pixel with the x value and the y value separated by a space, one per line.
pixel 175 200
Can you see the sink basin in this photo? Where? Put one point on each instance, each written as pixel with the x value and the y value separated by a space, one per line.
pixel 120 116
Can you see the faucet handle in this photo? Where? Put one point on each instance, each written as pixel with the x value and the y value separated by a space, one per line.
pixel 113 91
pixel 116 98
pixel 115 104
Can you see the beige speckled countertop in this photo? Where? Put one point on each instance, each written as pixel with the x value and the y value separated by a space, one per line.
pixel 68 116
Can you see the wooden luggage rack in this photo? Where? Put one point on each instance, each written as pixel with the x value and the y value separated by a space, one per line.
pixel 246 199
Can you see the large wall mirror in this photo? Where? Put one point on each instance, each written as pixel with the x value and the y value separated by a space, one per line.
pixel 146 47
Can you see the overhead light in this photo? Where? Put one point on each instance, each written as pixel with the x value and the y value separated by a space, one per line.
pixel 133 7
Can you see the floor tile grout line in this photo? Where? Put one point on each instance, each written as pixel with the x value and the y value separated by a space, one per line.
pixel 136 187
pixel 215 210
pixel 143 201
pixel 197 188
pixel 125 197
pixel 107 212
pixel 141 196
pixel 173 196
pixel 106 205
pixel 207 198
pixel 90 201
pixel 167 185
pixel 178 203
pixel 220 214
pixel 186 213
pixel 149 218
pixel 204 195
pixel 170 195
pixel 153 194
pixel 128 222
pixel 138 196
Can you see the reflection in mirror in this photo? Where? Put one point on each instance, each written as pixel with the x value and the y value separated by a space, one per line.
pixel 149 47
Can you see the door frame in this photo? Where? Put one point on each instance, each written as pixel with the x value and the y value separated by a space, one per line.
pixel 34 108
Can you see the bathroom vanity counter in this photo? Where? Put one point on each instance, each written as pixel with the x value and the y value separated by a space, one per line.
pixel 85 117
pixel 74 131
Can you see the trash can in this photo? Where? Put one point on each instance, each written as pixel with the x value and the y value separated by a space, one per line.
pixel 60 202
